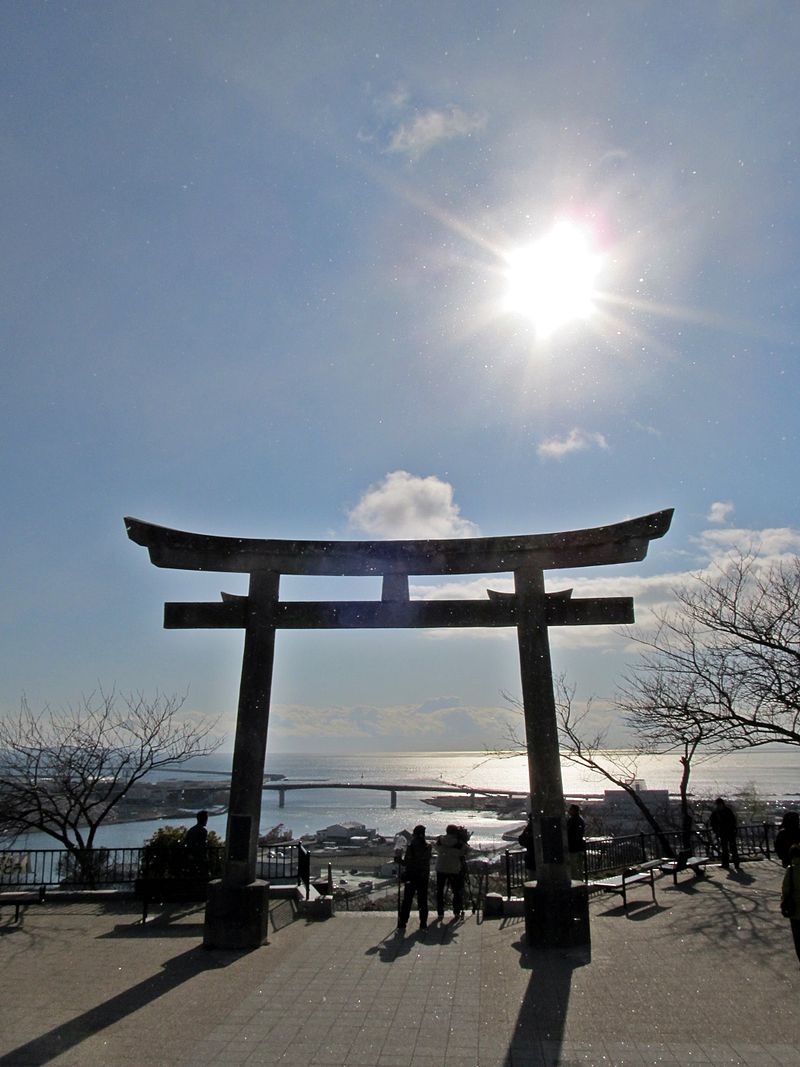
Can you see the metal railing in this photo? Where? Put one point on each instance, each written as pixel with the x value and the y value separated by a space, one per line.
pixel 284 862
pixel 752 839
pixel 515 870
pixel 477 885
pixel 610 855
pixel 121 867
pixel 52 867
pixel 291 861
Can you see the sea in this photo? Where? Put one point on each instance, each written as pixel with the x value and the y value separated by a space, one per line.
pixel 773 774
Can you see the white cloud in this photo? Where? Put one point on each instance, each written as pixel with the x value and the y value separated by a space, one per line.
pixel 433 723
pixel 394 101
pixel 577 440
pixel 405 505
pixel 720 511
pixel 462 588
pixel 646 428
pixel 652 594
pixel 428 128
pixel 770 544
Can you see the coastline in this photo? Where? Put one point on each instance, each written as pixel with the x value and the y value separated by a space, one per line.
pixel 773 778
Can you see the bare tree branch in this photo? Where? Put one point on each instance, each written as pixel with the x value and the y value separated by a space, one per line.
pixel 63 773
pixel 726 659
pixel 591 751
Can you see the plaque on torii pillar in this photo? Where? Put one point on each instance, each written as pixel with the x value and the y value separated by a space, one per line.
pixel 529 608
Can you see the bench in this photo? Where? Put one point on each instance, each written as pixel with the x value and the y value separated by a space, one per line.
pixel 641 874
pixel 169 890
pixel 18 897
pixel 685 863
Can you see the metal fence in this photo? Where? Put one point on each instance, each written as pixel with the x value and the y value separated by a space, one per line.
pixel 92 868
pixel 120 867
pixel 515 871
pixel 290 862
pixel 477 885
pixel 609 855
pixel 283 862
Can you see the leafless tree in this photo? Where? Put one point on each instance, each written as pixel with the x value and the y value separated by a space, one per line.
pixel 62 773
pixel 726 658
pixel 589 748
pixel 666 715
pixel 720 671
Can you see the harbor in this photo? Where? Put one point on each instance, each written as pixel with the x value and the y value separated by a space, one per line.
pixel 762 782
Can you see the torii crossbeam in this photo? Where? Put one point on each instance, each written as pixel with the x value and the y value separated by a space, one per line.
pixel 529 608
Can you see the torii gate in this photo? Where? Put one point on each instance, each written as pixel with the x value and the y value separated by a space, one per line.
pixel 236 911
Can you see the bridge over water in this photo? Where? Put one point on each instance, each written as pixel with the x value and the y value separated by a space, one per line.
pixel 279 785
pixel 282 788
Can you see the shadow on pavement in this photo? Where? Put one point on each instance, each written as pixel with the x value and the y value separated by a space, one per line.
pixel 156 928
pixel 172 921
pixel 637 910
pixel 169 922
pixel 395 944
pixel 11 926
pixel 736 910
pixel 539 1029
pixel 646 910
pixel 400 944
pixel 444 932
pixel 742 877
pixel 61 1039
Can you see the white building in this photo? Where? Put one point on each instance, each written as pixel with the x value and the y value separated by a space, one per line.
pixel 346 833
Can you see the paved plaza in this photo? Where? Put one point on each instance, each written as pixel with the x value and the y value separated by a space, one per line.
pixel 707 976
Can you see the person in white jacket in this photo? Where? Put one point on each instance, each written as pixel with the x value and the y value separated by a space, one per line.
pixel 451 853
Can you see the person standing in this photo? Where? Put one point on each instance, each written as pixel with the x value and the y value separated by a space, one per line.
pixel 788 835
pixel 195 841
pixel 576 843
pixel 723 823
pixel 526 841
pixel 451 854
pixel 790 895
pixel 415 873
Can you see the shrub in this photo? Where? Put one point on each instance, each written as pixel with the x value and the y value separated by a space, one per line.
pixel 165 857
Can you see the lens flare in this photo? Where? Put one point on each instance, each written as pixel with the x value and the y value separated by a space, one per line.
pixel 552 282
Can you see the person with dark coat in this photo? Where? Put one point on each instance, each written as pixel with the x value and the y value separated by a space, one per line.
pixel 195 841
pixel 723 823
pixel 576 843
pixel 415 873
pixel 790 895
pixel 525 840
pixel 787 835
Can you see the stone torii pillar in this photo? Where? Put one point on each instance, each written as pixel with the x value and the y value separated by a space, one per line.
pixel 236 909
pixel 554 913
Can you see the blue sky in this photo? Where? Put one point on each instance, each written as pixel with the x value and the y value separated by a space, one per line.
pixel 254 282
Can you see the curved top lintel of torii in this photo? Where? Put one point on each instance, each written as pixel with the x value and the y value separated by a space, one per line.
pixel 622 542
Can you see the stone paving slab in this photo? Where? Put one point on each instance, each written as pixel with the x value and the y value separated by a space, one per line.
pixel 708 976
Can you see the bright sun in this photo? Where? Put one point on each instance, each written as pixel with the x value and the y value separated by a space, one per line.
pixel 552 282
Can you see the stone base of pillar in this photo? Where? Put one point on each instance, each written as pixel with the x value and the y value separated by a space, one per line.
pixel 320 908
pixel 493 906
pixel 236 916
pixel 556 919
